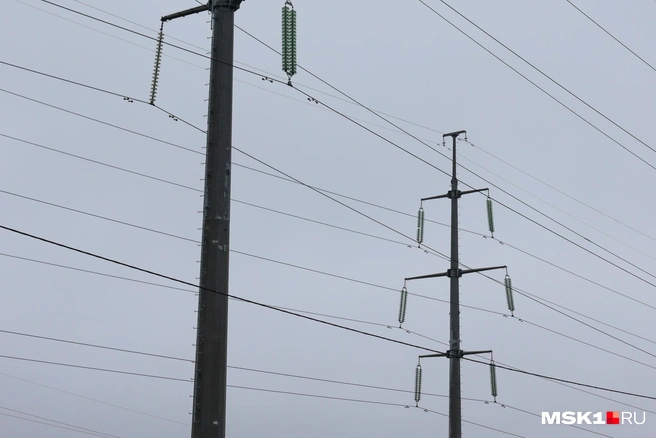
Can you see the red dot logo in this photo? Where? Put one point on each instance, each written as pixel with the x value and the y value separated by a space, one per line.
pixel 612 417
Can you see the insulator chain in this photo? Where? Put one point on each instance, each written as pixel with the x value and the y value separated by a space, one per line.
pixel 493 380
pixel 509 294
pixel 420 226
pixel 158 62
pixel 289 39
pixel 490 216
pixel 403 305
pixel 418 384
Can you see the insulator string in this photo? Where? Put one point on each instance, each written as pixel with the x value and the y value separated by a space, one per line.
pixel 493 380
pixel 403 305
pixel 158 62
pixel 490 216
pixel 509 294
pixel 420 225
pixel 418 384
pixel 289 39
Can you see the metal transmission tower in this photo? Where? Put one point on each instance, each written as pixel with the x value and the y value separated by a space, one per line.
pixel 454 273
pixel 209 406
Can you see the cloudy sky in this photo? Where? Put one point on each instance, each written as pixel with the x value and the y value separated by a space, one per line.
pixel 574 218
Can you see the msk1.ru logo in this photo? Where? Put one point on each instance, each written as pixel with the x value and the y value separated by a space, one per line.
pixel 611 417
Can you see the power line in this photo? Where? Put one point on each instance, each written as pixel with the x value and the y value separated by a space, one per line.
pixel 190 188
pixel 565 212
pixel 345 100
pixel 611 35
pixel 54 425
pixel 583 278
pixel 398 232
pixel 106 370
pixel 388 227
pixel 156 274
pixel 22 96
pixel 560 191
pixel 383 389
pixel 236 62
pixel 266 306
pixel 232 367
pixel 548 77
pixel 496 186
pixel 85 344
pixel 600 388
pixel 367 402
pixel 81 429
pixel 100 163
pixel 426 162
pixel 115 167
pixel 93 399
pixel 405 150
pixel 368 322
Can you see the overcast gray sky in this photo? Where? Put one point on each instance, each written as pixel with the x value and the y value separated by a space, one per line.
pixel 397 58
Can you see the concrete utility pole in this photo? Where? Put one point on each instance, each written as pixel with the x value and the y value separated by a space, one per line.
pixel 454 273
pixel 209 406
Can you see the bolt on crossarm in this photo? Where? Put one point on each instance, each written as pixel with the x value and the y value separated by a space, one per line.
pixel 454 354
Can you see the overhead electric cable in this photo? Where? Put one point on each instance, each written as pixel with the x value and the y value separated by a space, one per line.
pixel 169 182
pixel 176 280
pixel 22 96
pixel 519 169
pixel 499 202
pixel 389 141
pixel 556 379
pixel 118 168
pixel 442 171
pixel 86 344
pixel 54 425
pixel 94 400
pixel 76 428
pixel 97 256
pixel 611 35
pixel 546 76
pixel 368 402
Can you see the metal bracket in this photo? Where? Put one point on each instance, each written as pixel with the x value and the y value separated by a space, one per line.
pixel 454 273
pixel 226 4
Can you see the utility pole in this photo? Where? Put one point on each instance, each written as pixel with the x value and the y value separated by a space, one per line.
pixel 209 405
pixel 454 354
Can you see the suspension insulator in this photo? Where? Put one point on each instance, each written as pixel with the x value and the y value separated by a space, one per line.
pixel 403 305
pixel 418 384
pixel 493 380
pixel 509 294
pixel 490 216
pixel 420 226
pixel 289 39
pixel 158 62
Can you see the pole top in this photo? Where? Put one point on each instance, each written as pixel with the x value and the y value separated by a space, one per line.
pixel 225 4
pixel 454 134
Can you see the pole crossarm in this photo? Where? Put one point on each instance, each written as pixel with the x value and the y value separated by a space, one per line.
pixel 467 192
pixel 435 197
pixel 469 271
pixel 421 277
pixel 469 353
pixel 451 194
pixel 187 12
pixel 458 273
pixel 454 134
pixel 433 355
